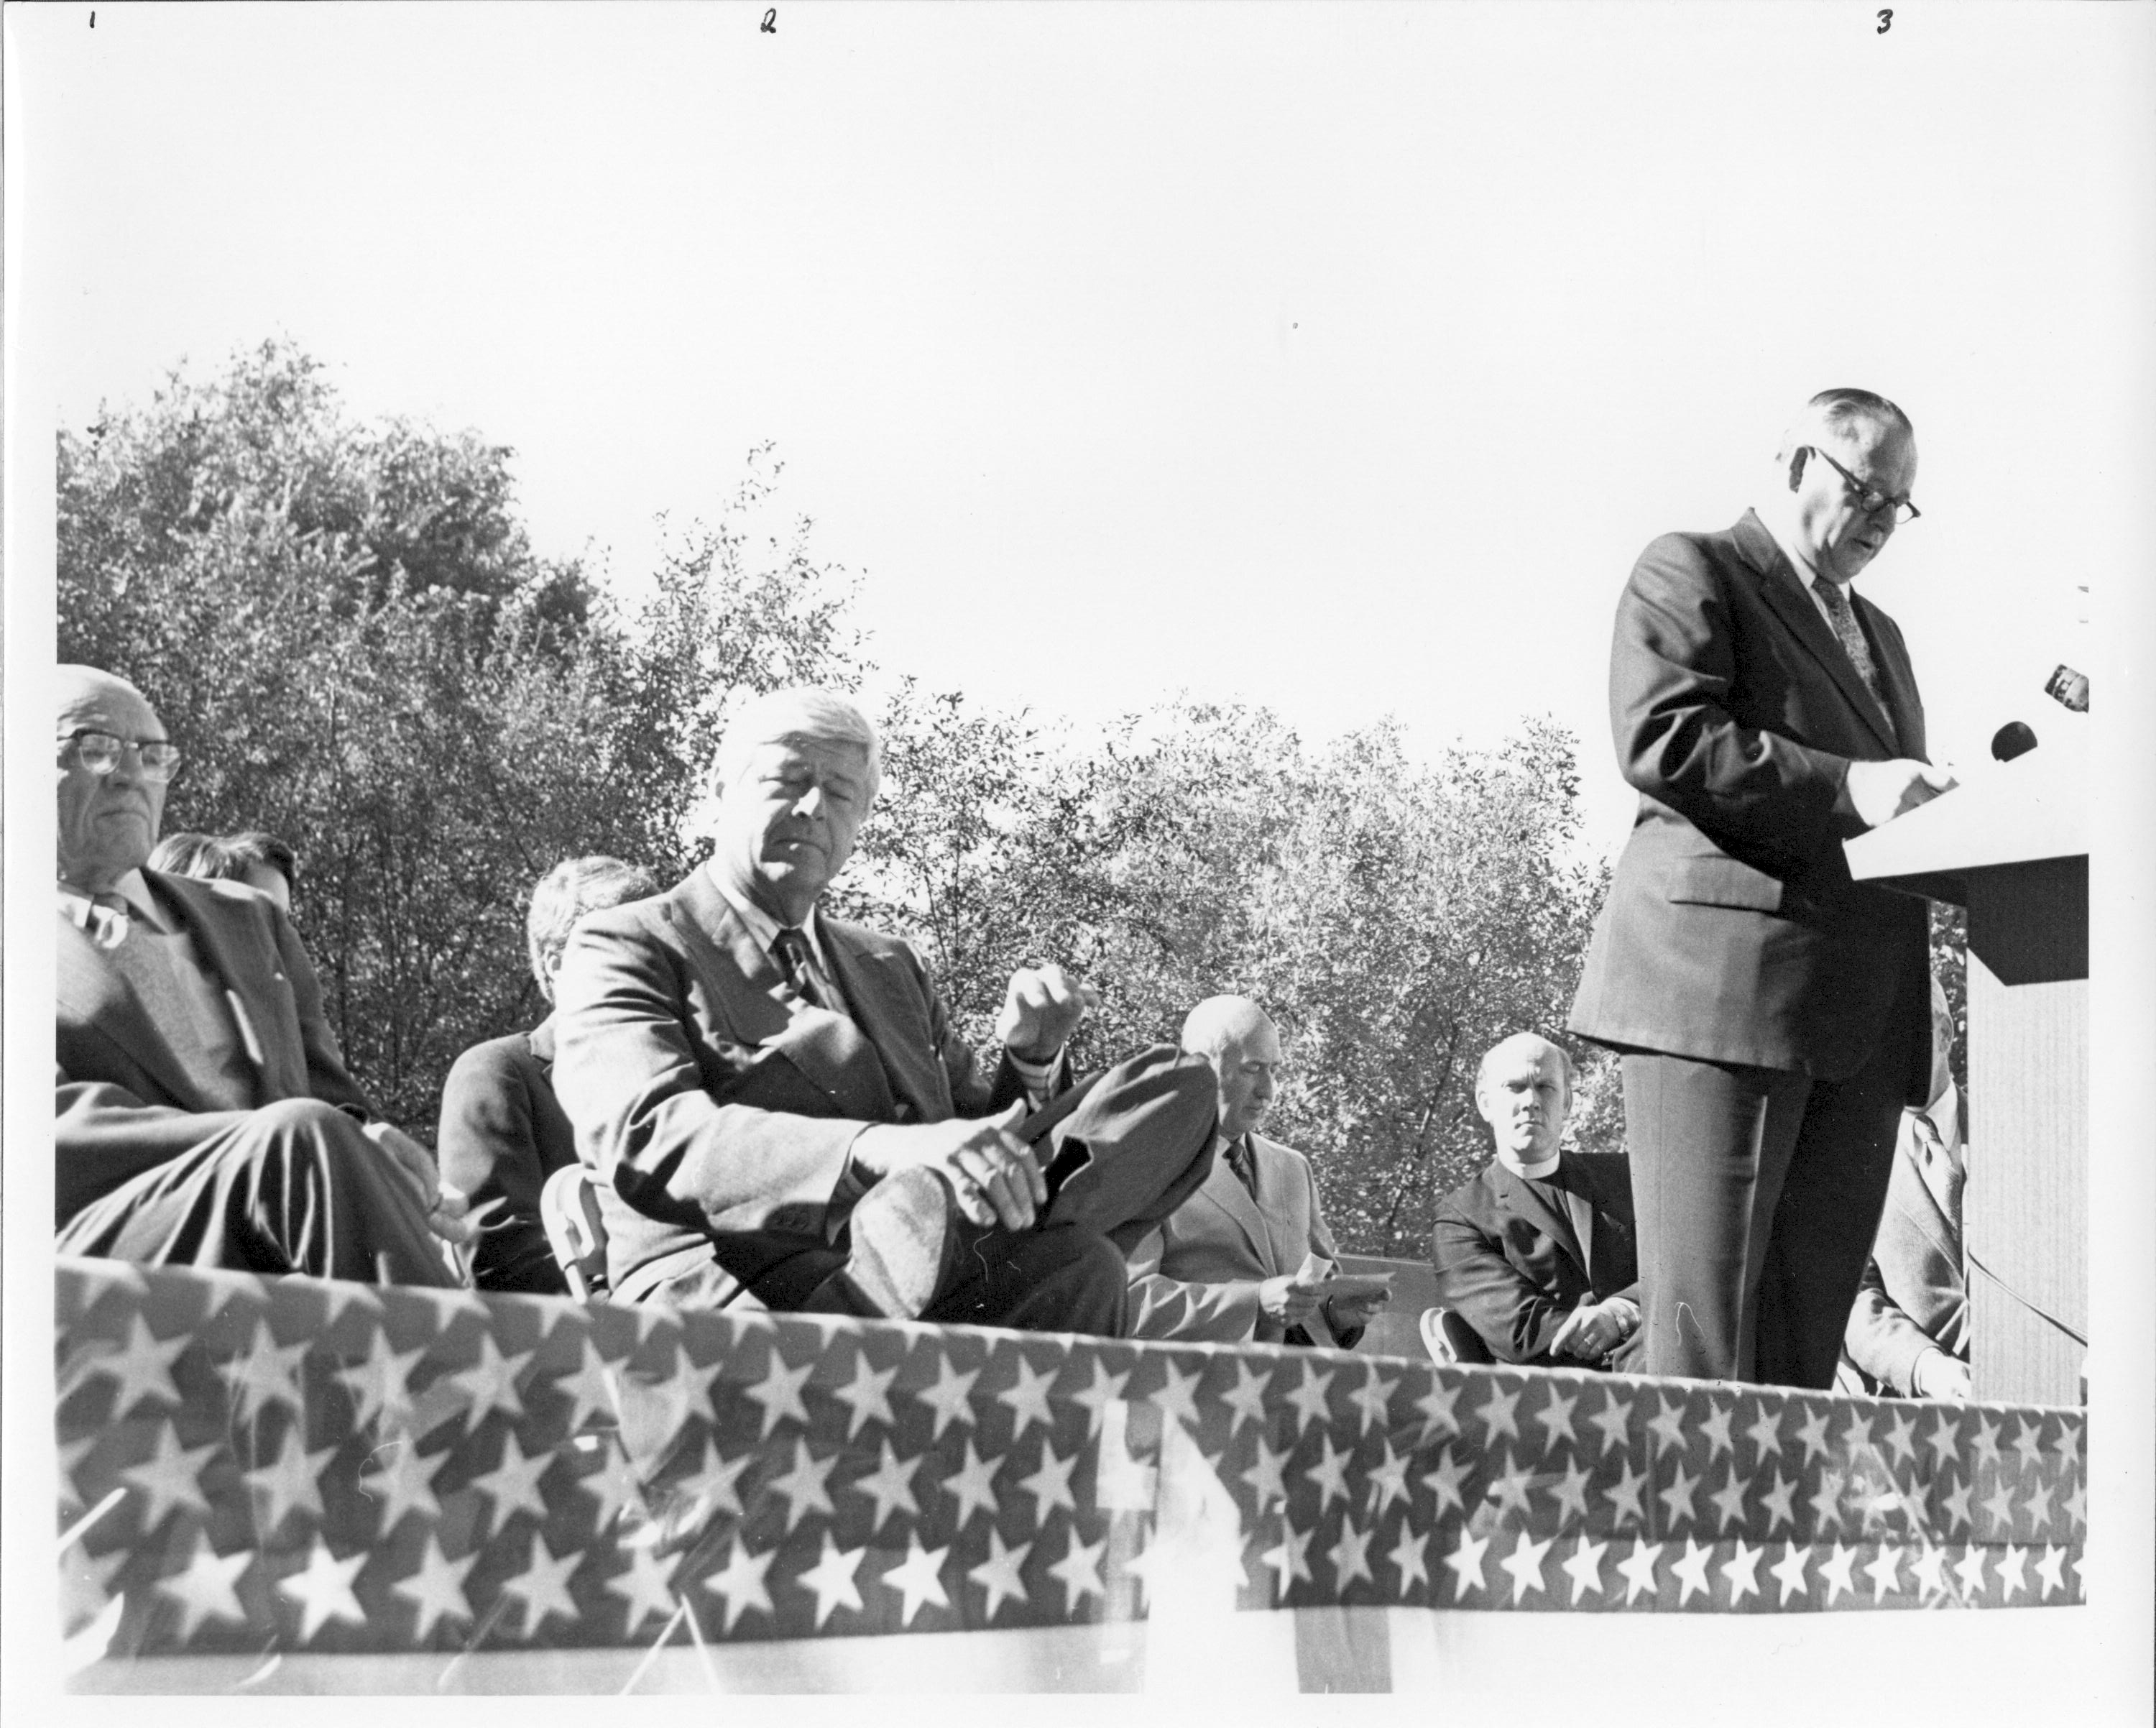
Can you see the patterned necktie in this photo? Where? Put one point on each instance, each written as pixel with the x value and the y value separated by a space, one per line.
pixel 797 961
pixel 1944 1174
pixel 1240 1161
pixel 1851 635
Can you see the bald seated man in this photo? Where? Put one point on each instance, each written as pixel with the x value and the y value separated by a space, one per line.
pixel 1537 1252
pixel 1227 1265
pixel 204 1116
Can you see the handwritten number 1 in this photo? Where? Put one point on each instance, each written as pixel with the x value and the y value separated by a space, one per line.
pixel 770 24
pixel 1885 23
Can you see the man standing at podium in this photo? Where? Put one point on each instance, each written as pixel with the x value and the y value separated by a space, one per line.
pixel 1772 1014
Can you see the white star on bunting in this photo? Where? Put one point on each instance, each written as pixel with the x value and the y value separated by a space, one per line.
pixel 169 1477
pixel 1436 1406
pixel 1389 1481
pixel 644 1588
pixel 1742 1569
pixel 1691 1572
pixel 1677 1497
pixel 1508 1488
pixel 1026 1398
pixel 1444 1482
pixel 1765 1432
pixel 1813 1433
pixel 1106 1389
pixel 917 1579
pixel 890 1486
pixel 380 1386
pixel 1328 1472
pixel 2028 1440
pixel 951 1395
pixel 1584 1568
pixel 436 1590
pixel 1571 1495
pixel 1173 1397
pixel 1525 1564
pixel 1465 1562
pixel 972 1485
pixel 1286 1557
pixel 288 1481
pixel 1969 1569
pixel 142 1367
pixel 1728 1499
pixel 779 1392
pixel 1498 1416
pixel 489 1384
pixel 323 1591
pixel 1626 1491
pixel 404 1480
pixel 614 1485
pixel 1079 1570
pixel 1789 1570
pixel 2010 1580
pixel 1637 1569
pixel 1776 1500
pixel 1373 1399
pixel 1309 1398
pixel 202 1587
pixel 1555 1419
pixel 543 1586
pixel 1901 1437
pixel 1885 1571
pixel 1614 1420
pixel 831 1580
pixel 802 1486
pixel 268 1374
pixel 1267 1474
pixel 512 1486
pixel 1248 1397
pixel 998 1574
pixel 1834 1572
pixel 2048 1570
pixel 1350 1554
pixel 1050 1484
pixel 1715 1428
pixel 1929 1570
pixel 1667 1426
pixel 1409 1558
pixel 867 1394
pixel 590 1386
pixel 741 1582
pixel 709 1489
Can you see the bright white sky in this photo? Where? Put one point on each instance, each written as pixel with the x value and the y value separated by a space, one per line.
pixel 1339 359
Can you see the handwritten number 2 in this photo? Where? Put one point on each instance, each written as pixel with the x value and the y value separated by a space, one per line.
pixel 770 24
pixel 1885 23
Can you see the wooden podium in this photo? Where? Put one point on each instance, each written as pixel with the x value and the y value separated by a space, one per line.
pixel 2011 845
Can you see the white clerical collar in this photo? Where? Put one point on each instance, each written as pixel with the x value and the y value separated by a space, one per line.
pixel 1535 1172
pixel 760 924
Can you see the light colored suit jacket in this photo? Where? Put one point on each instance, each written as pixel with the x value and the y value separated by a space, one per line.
pixel 1914 1295
pixel 125 1101
pixel 1197 1276
pixel 718 1112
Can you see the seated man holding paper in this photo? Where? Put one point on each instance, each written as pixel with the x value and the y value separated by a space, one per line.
pixel 782 1115
pixel 1247 1256
pixel 1536 1253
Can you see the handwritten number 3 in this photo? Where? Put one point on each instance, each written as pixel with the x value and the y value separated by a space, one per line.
pixel 770 24
pixel 1885 23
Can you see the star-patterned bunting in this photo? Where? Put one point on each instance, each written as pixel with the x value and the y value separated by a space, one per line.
pixel 296 1465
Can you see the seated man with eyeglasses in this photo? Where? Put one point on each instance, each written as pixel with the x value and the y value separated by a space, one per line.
pixel 204 1116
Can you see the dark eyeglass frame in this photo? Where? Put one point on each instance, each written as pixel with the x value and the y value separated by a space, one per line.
pixel 100 751
pixel 1869 498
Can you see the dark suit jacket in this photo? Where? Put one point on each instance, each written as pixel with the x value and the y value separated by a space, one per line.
pixel 502 1134
pixel 1514 1258
pixel 1733 932
pixel 1914 1295
pixel 1197 1276
pixel 719 1121
pixel 126 1103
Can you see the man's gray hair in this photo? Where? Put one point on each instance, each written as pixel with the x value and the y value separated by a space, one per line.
pixel 1564 1065
pixel 1833 412
pixel 781 716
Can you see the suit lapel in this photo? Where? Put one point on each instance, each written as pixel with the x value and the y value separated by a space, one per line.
pixel 90 994
pixel 1581 1212
pixel 226 937
pixel 827 1048
pixel 886 1010
pixel 1784 591
pixel 1912 1195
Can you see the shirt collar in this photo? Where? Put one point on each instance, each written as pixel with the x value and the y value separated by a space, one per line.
pixel 130 887
pixel 1945 1113
pixel 1807 573
pixel 758 922
pixel 1539 1171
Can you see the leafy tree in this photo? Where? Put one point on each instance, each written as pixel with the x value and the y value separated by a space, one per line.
pixel 346 631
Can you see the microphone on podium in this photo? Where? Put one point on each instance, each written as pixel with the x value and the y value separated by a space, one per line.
pixel 2013 739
